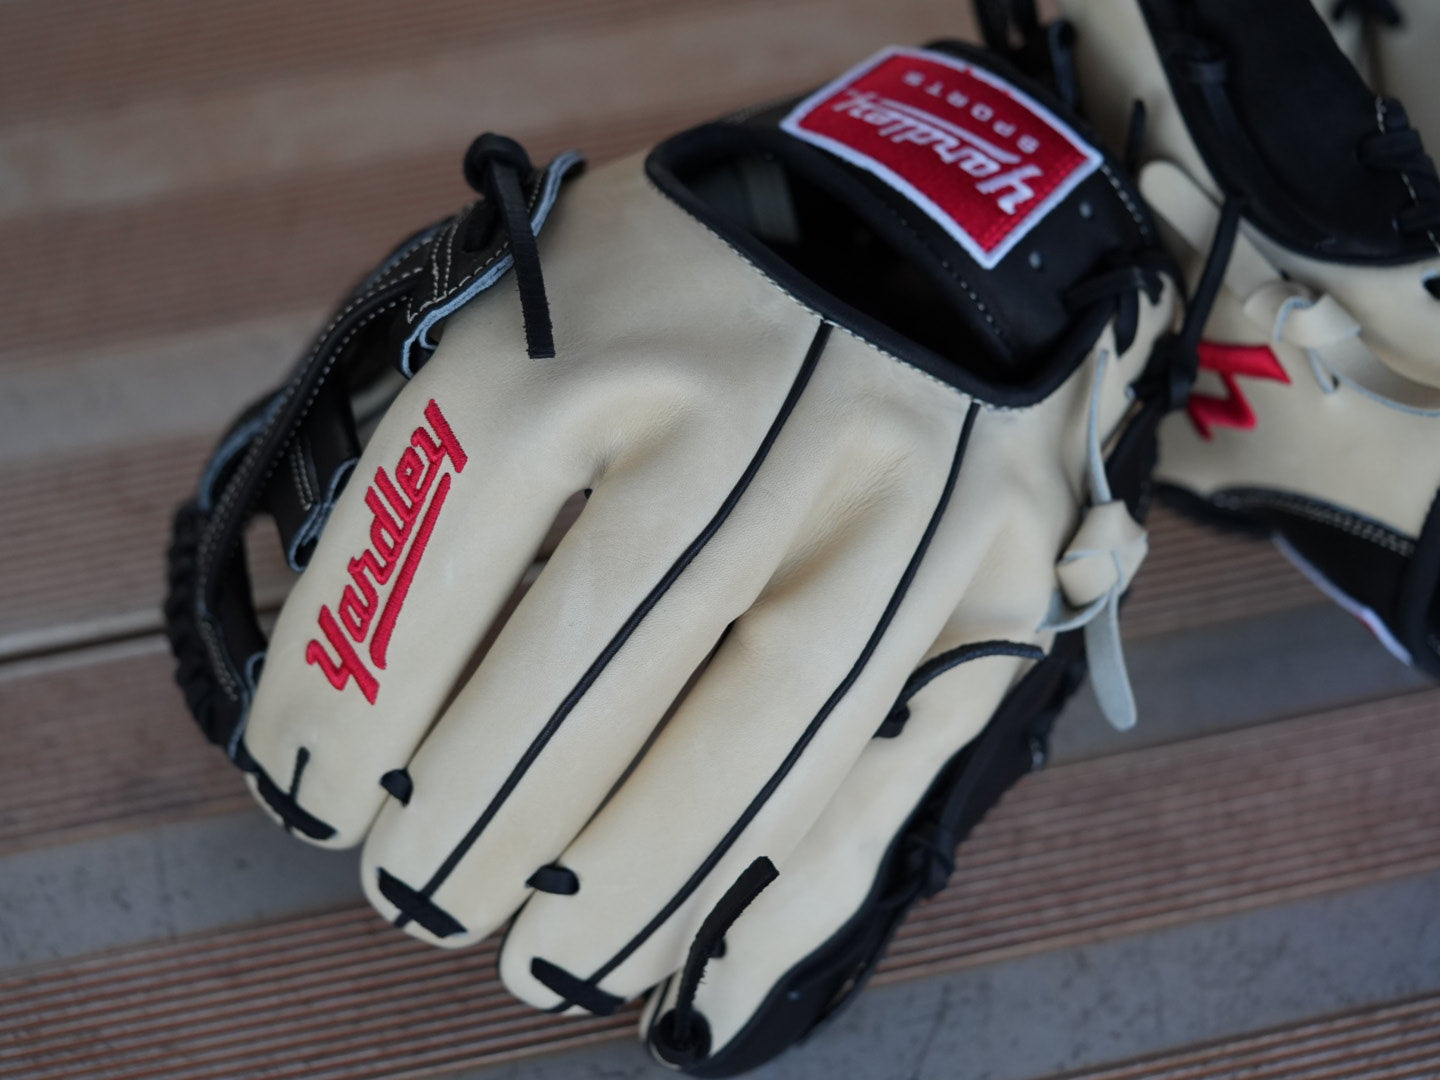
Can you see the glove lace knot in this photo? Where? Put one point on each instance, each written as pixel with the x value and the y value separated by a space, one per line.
pixel 498 168
pixel 1095 571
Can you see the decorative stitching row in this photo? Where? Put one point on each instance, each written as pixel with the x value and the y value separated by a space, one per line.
pixel 1326 515
pixel 218 657
pixel 1135 215
pixel 441 294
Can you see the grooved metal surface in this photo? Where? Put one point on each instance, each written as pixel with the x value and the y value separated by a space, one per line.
pixel 160 198
pixel 106 744
pixel 1081 853
pixel 85 543
pixel 246 248
pixel 1397 1041
pixel 168 47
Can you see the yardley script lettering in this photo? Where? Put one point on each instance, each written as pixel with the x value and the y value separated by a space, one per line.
pixel 975 156
pixel 405 504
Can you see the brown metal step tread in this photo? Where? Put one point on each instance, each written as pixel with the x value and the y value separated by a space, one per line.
pixel 1394 1041
pixel 1077 854
pixel 45 67
pixel 197 259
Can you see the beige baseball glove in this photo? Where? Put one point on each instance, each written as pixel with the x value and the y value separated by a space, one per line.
pixel 860 391
pixel 1307 216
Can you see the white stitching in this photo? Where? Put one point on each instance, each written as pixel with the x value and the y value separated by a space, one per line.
pixel 442 283
pixel 1350 523
pixel 1405 176
pixel 1135 215
pixel 248 464
pixel 444 290
pixel 298 454
pixel 954 274
pixel 988 406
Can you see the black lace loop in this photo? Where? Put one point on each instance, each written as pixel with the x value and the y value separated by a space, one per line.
pixel 1122 287
pixel 1060 53
pixel 1135 137
pixel 498 168
pixel 930 856
pixel 1012 29
pixel 681 1035
pixel 1397 148
pixel 1381 10
pixel 1204 67
pixel 1183 347
pixel 1211 278
pixel 1009 27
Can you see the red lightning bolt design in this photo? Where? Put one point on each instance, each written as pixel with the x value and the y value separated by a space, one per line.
pixel 1228 361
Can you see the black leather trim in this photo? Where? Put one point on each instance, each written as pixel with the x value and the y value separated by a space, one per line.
pixel 1065 346
pixel 285 803
pixel 209 609
pixel 936 666
pixel 560 880
pixel 400 785
pixel 574 990
pixel 1278 124
pixel 420 908
pixel 1393 575
pixel 1417 622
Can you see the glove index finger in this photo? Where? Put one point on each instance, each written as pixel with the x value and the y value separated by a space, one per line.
pixel 390 611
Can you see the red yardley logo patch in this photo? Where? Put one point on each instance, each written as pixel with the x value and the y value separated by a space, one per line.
pixel 405 507
pixel 983 159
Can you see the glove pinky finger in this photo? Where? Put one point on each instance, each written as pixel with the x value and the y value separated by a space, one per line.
pixel 794 953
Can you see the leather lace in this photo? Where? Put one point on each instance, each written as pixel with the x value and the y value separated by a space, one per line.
pixel 1380 10
pixel 1396 147
pixel 498 168
pixel 680 1036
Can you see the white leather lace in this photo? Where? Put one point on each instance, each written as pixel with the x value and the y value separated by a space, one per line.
pixel 1095 571
pixel 1315 322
